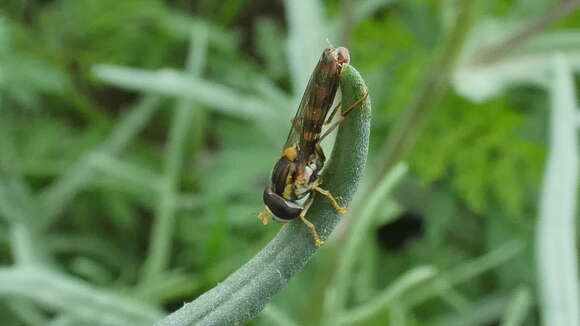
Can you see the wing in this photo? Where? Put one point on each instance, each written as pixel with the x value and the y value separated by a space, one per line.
pixel 316 101
pixel 297 127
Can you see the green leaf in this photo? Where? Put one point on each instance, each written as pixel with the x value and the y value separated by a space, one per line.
pixel 358 233
pixel 66 294
pixel 173 83
pixel 58 194
pixel 389 296
pixel 307 30
pixel 528 64
pixel 519 307
pixel 557 252
pixel 244 293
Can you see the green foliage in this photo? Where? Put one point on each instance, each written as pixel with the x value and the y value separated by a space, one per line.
pixel 110 31
pixel 25 76
pixel 467 144
pixel 136 137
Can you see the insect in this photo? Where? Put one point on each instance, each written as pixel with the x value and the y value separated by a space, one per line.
pixel 296 173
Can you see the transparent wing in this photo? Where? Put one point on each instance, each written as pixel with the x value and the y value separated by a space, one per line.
pixel 297 127
pixel 316 101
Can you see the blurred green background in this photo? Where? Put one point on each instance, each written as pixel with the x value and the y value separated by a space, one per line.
pixel 136 137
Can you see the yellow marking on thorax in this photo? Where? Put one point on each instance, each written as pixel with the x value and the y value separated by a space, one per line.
pixel 291 153
pixel 288 188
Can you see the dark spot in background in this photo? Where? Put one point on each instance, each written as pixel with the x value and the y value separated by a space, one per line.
pixel 395 235
pixel 246 18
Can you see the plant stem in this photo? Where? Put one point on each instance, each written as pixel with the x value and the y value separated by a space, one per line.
pixel 556 249
pixel 66 294
pixel 519 308
pixel 353 244
pixel 465 271
pixel 244 293
pixel 163 226
pixel 387 297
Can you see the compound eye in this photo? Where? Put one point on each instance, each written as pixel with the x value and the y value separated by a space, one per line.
pixel 342 55
pixel 282 209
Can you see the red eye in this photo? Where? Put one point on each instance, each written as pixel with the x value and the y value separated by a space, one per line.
pixel 342 55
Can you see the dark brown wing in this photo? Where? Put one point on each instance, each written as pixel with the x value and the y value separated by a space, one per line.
pixel 316 101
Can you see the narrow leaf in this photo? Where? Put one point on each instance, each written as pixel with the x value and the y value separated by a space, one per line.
pixel 556 250
pixel 244 293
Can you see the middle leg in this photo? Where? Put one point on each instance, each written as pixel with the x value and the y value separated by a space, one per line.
pixel 330 197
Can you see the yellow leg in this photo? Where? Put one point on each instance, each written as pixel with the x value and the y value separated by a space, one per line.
pixel 264 215
pixel 317 241
pixel 343 115
pixel 329 119
pixel 333 201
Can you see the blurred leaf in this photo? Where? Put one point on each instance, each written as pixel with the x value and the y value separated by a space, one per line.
pixel 56 196
pixel 18 206
pixel 86 245
pixel 269 40
pixel 23 77
pixel 70 152
pixel 421 22
pixel 178 84
pixel 556 251
pixel 126 172
pixel 179 23
pixel 485 311
pixel 340 287
pixel 275 315
pixel 162 233
pixel 28 312
pixel 111 31
pixel 528 64
pixel 388 296
pixel 466 271
pixel 67 294
pixel 168 286
pixel 518 309
pixel 306 36
pixel 365 9
pixel 470 143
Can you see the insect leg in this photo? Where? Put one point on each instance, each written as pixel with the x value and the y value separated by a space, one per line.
pixel 330 197
pixel 344 114
pixel 329 120
pixel 264 215
pixel 317 241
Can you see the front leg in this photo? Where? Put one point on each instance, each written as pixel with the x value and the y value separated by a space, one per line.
pixel 344 114
pixel 329 119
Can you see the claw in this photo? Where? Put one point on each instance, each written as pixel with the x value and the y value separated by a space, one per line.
pixel 264 215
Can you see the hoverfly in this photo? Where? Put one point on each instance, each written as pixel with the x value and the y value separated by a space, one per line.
pixel 296 173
